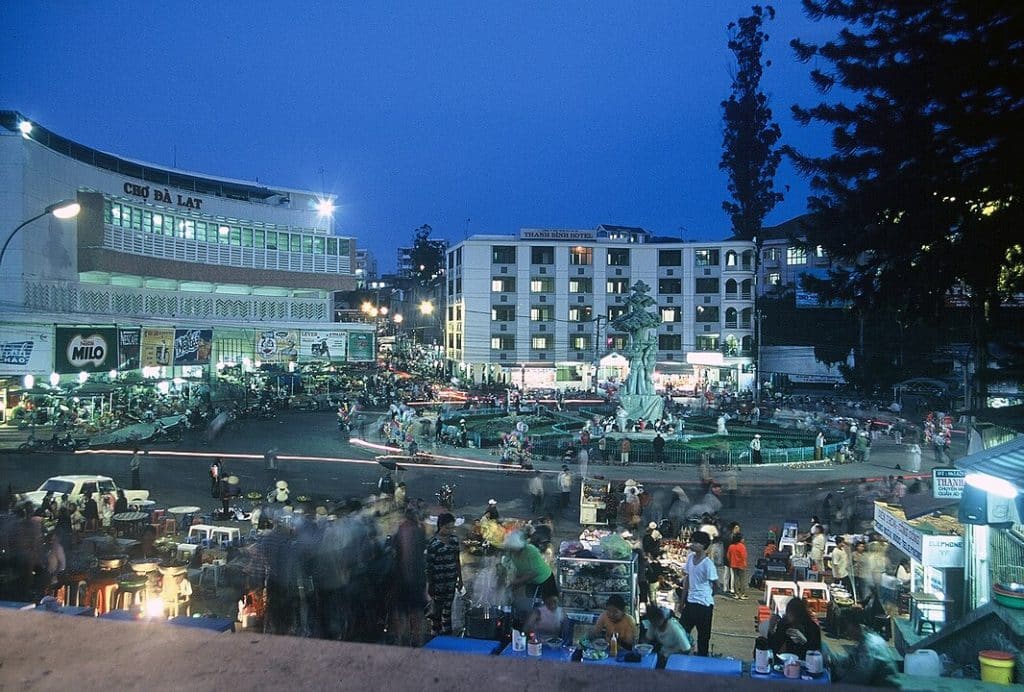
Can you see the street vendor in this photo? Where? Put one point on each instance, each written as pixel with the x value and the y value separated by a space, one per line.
pixel 533 577
pixel 616 621
pixel 795 632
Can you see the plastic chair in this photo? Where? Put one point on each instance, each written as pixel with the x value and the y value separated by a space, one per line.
pixel 213 567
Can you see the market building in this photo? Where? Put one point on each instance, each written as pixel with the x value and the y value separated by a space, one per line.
pixel 174 274
pixel 534 309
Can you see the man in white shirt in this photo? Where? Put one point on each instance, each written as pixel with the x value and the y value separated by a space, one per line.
pixel 565 485
pixel 701 576
pixel 840 559
pixel 536 488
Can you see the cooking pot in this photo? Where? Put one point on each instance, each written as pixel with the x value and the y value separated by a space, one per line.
pixel 483 622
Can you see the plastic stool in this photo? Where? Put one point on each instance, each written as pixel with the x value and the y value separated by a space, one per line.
pixel 186 551
pixel 210 567
pixel 134 590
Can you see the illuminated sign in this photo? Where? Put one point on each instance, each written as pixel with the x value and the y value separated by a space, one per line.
pixel 162 194
pixel 556 234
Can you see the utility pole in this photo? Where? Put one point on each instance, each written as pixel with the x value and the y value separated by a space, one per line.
pixel 597 347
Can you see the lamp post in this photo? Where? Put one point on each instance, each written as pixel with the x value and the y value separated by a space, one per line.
pixel 65 209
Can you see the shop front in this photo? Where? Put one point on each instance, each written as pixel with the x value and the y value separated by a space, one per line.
pixel 935 546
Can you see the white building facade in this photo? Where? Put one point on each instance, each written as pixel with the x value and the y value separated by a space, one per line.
pixel 155 247
pixel 535 309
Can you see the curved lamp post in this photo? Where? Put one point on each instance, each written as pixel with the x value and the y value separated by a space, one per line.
pixel 65 209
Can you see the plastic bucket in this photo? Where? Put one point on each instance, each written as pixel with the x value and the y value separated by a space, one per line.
pixel 996 666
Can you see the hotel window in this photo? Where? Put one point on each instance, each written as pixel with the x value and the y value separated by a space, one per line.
pixel 581 314
pixel 615 312
pixel 236 236
pixel 296 242
pixel 581 285
pixel 580 256
pixel 796 255
pixel 503 284
pixel 771 254
pixel 820 253
pixel 542 285
pixel 307 244
pixel 271 240
pixel 670 286
pixel 503 343
pixel 259 239
pixel 580 342
pixel 540 343
pixel 670 258
pixel 318 246
pixel 730 258
pixel 503 254
pixel 706 258
pixel 246 237
pixel 544 254
pixel 147 221
pixel 671 314
pixel 670 342
pixel 707 313
pixel 544 313
pixel 617 286
pixel 332 246
pixel 707 285
pixel 707 342
pixel 618 257
pixel 774 279
pixel 190 229
pixel 136 219
pixel 503 313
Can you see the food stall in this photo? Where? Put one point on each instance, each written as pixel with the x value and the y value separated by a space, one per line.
pixel 593 502
pixel 585 583
pixel 935 546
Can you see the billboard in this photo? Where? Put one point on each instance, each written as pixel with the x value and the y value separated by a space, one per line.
pixel 325 345
pixel 157 347
pixel 128 342
pixel 25 350
pixel 192 346
pixel 360 346
pixel 89 349
pixel 277 345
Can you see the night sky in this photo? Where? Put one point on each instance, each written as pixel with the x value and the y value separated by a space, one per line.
pixel 478 117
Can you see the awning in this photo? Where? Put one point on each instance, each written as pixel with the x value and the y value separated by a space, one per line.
pixel 1004 461
pixel 923 504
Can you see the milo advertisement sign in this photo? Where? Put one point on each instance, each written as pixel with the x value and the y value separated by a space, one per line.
pixel 89 349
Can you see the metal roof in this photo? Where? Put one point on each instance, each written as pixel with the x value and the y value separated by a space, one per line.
pixel 1004 461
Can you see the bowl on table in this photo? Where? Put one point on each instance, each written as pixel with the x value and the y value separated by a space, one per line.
pixel 553 642
pixel 599 644
pixel 643 649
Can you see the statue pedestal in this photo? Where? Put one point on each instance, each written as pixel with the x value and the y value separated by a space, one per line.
pixel 647 406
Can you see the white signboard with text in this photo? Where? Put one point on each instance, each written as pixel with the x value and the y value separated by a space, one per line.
pixel 947 484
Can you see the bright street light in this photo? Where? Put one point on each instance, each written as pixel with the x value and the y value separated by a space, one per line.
pixel 65 209
pixel 325 207
pixel 426 308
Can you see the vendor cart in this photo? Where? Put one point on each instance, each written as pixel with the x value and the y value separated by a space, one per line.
pixel 586 583
pixel 593 502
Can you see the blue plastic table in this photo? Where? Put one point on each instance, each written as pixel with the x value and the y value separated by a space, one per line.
pixel 205 623
pixel 69 610
pixel 703 664
pixel 547 653
pixel 824 679
pixel 461 645
pixel 17 605
pixel 120 615
pixel 648 662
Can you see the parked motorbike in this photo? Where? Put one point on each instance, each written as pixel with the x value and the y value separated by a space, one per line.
pixel 446 496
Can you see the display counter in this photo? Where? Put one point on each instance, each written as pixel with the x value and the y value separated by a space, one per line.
pixel 586 583
pixel 593 502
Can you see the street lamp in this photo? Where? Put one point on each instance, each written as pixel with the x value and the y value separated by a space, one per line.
pixel 65 209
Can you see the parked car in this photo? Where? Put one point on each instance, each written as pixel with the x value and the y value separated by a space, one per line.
pixel 75 486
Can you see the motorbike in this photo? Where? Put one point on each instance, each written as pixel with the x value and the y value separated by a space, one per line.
pixel 446 496
pixel 170 433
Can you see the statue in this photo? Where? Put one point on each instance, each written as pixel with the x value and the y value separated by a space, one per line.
pixel 637 395
pixel 722 419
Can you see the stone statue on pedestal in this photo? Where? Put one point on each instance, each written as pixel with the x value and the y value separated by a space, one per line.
pixel 637 395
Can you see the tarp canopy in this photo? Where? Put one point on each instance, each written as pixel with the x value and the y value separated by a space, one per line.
pixel 923 504
pixel 1004 461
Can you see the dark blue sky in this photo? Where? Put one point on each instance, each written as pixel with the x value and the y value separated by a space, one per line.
pixel 510 115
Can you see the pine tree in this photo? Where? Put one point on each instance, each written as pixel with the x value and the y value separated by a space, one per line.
pixel 750 154
pixel 922 193
pixel 749 151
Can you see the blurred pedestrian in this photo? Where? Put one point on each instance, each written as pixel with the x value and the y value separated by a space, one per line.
pixel 536 490
pixel 624 448
pixel 565 486
pixel 444 572
pixel 736 557
pixel 135 466
pixel 755 449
